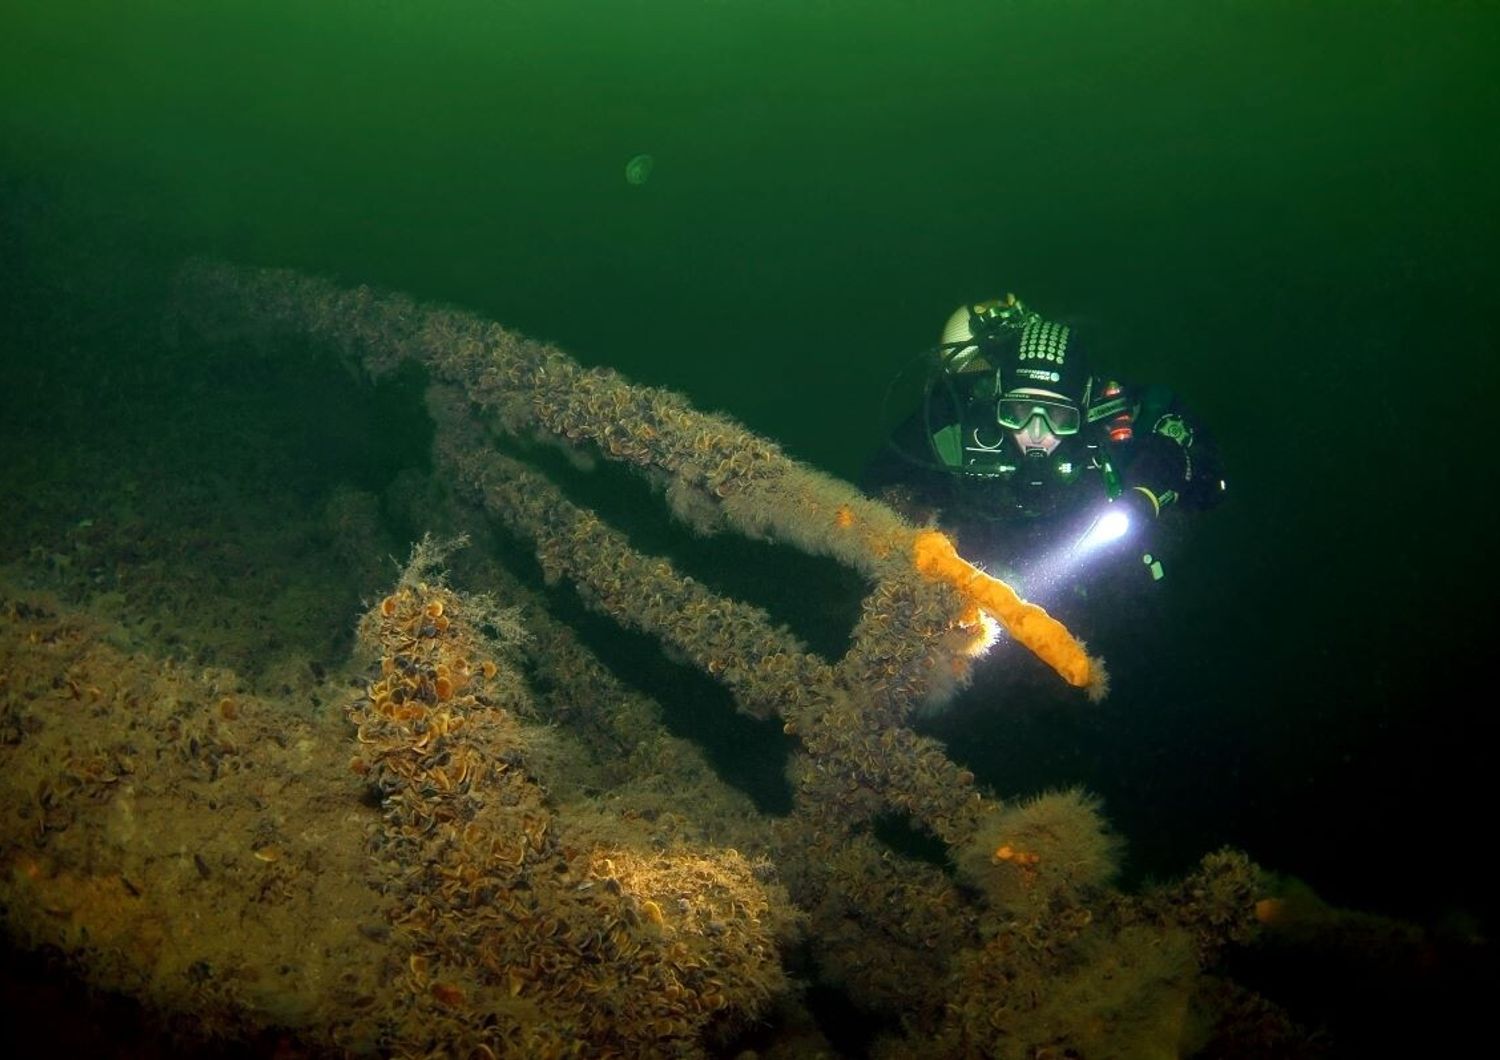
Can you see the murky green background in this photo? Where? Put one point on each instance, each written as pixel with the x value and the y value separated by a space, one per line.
pixel 1285 210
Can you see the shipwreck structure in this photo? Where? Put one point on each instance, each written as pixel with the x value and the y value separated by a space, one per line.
pixel 426 873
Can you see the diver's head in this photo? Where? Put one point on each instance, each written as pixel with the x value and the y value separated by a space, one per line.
pixel 1012 384
pixel 1040 379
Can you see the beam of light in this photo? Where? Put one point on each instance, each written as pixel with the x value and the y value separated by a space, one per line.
pixel 1043 577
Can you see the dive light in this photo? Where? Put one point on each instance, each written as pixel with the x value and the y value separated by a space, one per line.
pixel 1111 525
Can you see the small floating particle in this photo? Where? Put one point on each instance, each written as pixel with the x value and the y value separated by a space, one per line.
pixel 638 169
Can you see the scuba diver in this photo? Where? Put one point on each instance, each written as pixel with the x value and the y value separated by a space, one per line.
pixel 1052 476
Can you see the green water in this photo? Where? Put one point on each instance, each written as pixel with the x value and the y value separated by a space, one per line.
pixel 1286 211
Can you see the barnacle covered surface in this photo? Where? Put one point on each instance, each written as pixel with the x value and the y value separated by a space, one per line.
pixel 184 842
pixel 195 849
pixel 528 932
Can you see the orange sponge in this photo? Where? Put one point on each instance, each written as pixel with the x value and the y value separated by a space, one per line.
pixel 936 557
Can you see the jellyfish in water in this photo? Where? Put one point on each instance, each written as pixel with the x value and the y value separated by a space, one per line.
pixel 638 169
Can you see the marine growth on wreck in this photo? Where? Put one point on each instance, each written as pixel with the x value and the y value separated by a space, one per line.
pixel 487 845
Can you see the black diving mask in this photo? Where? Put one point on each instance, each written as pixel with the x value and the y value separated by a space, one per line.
pixel 1014 411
